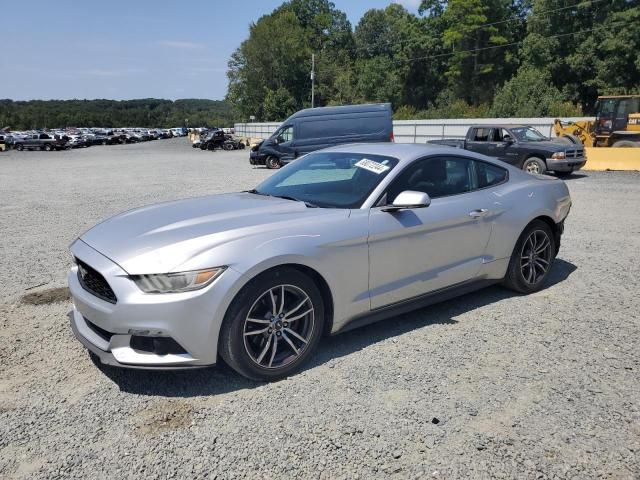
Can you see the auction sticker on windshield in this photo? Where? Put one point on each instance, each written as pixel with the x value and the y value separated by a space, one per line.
pixel 372 166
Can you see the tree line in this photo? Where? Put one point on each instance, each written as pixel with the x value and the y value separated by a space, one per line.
pixel 150 112
pixel 456 58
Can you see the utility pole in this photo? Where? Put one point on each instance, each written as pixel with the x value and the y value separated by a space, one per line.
pixel 313 80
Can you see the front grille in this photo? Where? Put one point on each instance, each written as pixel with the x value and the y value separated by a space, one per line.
pixel 95 283
pixel 574 153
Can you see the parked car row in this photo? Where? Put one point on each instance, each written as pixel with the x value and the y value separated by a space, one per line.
pixel 218 138
pixel 64 139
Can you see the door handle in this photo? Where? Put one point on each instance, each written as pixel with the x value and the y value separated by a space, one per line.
pixel 480 212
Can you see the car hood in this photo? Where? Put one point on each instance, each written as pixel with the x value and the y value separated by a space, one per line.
pixel 550 146
pixel 159 238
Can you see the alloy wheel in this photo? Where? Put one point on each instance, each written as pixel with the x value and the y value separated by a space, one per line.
pixel 535 258
pixel 532 167
pixel 278 327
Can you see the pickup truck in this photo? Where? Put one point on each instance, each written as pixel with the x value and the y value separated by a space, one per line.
pixel 40 141
pixel 522 146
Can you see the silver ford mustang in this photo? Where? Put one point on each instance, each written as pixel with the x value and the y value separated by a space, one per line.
pixel 338 238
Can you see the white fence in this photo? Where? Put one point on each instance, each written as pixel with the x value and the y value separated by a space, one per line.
pixel 420 131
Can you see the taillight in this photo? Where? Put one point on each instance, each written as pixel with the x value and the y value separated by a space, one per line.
pixel 392 138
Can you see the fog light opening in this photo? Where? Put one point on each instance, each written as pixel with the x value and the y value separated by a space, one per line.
pixel 156 345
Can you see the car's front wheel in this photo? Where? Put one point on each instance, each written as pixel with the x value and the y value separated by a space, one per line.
pixel 273 162
pixel 534 165
pixel 532 258
pixel 273 325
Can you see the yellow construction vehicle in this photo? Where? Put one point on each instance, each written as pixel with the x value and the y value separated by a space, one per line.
pixel 617 124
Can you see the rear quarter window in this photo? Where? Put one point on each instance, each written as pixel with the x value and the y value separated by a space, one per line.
pixel 490 175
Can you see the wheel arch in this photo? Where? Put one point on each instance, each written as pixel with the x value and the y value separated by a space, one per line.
pixel 555 228
pixel 533 155
pixel 314 274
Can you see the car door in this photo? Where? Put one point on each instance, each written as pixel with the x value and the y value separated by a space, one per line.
pixel 479 140
pixel 416 251
pixel 506 146
pixel 285 143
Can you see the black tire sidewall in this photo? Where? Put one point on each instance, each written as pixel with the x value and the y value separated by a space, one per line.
pixel 231 345
pixel 540 162
pixel 514 278
pixel 272 163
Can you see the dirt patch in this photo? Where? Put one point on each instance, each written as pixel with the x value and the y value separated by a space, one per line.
pixel 45 297
pixel 164 416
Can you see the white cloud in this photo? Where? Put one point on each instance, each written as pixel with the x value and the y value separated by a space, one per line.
pixel 180 44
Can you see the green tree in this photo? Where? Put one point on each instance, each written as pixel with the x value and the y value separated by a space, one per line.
pixel 531 94
pixel 476 34
pixel 588 49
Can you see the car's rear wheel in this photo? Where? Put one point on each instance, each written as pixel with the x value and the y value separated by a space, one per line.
pixel 534 165
pixel 273 162
pixel 626 144
pixel 47 148
pixel 273 325
pixel 227 146
pixel 532 258
pixel 19 147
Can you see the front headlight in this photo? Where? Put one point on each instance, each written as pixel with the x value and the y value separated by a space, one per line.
pixel 558 156
pixel 177 282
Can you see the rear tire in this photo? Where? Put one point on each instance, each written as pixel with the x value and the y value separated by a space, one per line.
pixel 19 147
pixel 534 165
pixel 532 259
pixel 273 163
pixel 626 144
pixel 273 326
pixel 47 148
pixel 568 139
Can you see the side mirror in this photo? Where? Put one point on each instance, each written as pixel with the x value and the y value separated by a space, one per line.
pixel 507 139
pixel 409 199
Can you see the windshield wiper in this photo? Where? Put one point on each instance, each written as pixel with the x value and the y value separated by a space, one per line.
pixel 284 197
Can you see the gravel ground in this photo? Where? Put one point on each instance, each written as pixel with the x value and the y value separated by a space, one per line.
pixel 492 385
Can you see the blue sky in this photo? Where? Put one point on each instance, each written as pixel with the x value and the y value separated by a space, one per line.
pixel 131 49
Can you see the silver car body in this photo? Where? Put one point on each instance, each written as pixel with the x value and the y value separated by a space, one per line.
pixel 368 259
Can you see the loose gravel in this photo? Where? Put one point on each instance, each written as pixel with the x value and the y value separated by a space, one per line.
pixel 491 385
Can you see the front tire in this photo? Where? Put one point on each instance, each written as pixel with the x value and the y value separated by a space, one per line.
pixel 273 326
pixel 273 163
pixel 534 165
pixel 532 258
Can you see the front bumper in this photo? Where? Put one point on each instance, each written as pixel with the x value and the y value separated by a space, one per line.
pixel 567 165
pixel 256 158
pixel 191 319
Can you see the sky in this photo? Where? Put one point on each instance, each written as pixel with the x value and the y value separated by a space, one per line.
pixel 124 49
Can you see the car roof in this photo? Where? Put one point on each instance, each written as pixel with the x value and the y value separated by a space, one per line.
pixel 408 152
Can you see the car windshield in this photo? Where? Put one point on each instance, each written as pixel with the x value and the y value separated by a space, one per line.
pixel 329 179
pixel 528 134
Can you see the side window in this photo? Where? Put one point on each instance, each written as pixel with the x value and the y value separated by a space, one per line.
pixel 286 134
pixel 489 175
pixel 481 134
pixel 436 176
